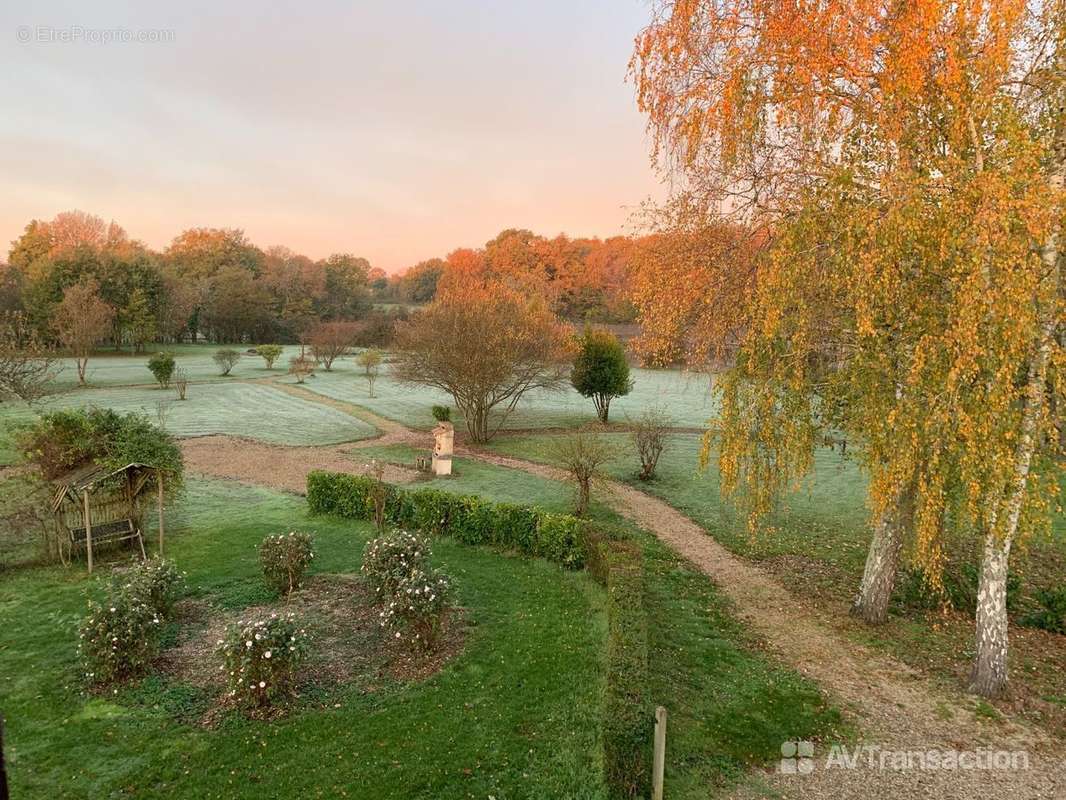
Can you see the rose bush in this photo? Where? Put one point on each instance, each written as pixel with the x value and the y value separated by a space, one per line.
pixel 118 638
pixel 156 581
pixel 260 659
pixel 389 560
pixel 285 558
pixel 416 609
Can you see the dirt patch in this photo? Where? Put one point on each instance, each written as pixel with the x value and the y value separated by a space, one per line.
pixel 348 646
pixel 278 466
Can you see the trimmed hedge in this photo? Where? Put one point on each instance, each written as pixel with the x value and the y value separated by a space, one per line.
pixel 628 719
pixel 466 518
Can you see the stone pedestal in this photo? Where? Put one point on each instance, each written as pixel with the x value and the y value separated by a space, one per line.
pixel 443 445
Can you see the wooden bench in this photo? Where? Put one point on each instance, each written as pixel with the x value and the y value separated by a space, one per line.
pixel 119 530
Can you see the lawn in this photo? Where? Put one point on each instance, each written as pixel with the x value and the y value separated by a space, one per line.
pixel 815 543
pixel 515 715
pixel 252 410
pixel 730 705
pixel 685 397
pixel 110 368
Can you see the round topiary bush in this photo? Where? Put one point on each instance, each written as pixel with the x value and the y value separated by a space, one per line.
pixel 162 365
pixel 285 558
pixel 442 413
pixel 260 659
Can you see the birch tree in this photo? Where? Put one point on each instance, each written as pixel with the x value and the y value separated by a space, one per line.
pixel 907 166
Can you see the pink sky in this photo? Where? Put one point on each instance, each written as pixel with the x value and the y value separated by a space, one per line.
pixel 393 131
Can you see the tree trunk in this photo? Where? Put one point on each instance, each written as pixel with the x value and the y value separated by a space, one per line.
pixel 989 676
pixel 82 364
pixel 603 406
pixel 879 576
pixel 882 560
pixel 584 494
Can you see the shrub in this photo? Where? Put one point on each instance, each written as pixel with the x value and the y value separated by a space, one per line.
pixel 181 382
pixel 226 359
pixel 1051 615
pixel 118 638
pixel 162 367
pixel 468 519
pixel 285 558
pixel 269 353
pixel 417 605
pixel 442 413
pixel 649 436
pixel 601 370
pixel 627 715
pixel 583 455
pixel 260 659
pixel 301 367
pixel 390 560
pixel 156 581
pixel 61 440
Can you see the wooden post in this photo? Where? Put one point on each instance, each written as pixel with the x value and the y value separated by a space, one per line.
pixel 159 486
pixel 658 763
pixel 87 519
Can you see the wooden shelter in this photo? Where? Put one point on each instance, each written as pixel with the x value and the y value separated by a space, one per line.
pixel 95 505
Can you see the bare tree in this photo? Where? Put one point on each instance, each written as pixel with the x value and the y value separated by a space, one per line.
pixel 332 340
pixel 26 366
pixel 583 454
pixel 301 367
pixel 370 361
pixel 486 346
pixel 649 436
pixel 82 321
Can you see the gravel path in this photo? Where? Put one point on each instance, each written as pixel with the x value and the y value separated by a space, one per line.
pixel 894 707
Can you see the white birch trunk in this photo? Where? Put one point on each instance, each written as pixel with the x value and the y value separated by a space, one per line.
pixel 882 561
pixel 990 672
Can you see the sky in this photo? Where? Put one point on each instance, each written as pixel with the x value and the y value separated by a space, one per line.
pixel 397 131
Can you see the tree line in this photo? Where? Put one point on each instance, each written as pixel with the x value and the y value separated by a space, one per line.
pixel 214 284
pixel 208 283
pixel 581 278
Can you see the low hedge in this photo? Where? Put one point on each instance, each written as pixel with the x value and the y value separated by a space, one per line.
pixel 628 719
pixel 466 518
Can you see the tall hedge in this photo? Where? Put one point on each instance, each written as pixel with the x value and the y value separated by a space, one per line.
pixel 628 720
pixel 466 518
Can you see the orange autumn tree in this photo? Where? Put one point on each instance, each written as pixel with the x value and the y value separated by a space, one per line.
pixel 486 345
pixel 908 162
pixel 691 283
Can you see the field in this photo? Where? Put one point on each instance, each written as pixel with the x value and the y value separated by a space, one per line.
pixel 110 368
pixel 684 397
pixel 256 411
